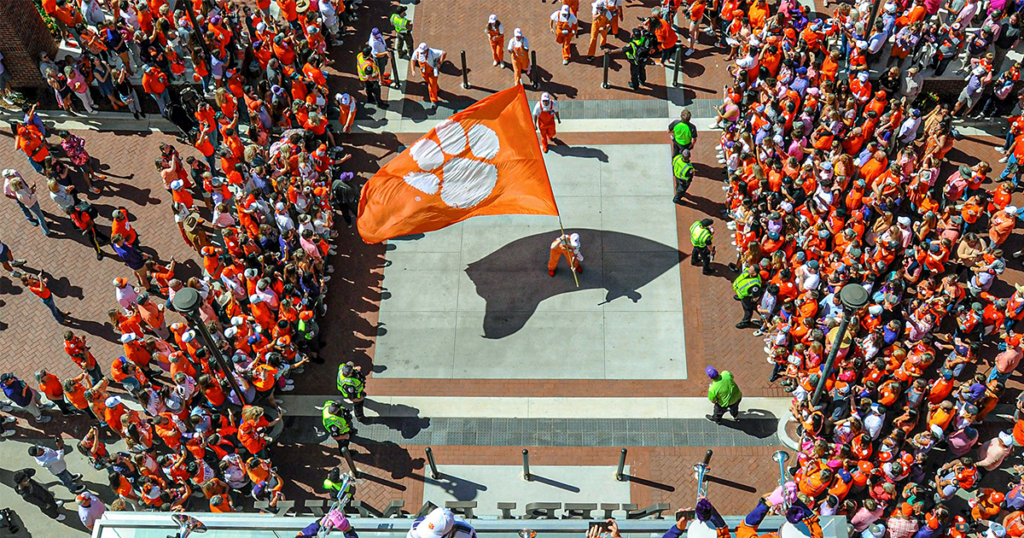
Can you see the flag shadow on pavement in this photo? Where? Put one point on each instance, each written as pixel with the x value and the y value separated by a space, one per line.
pixel 513 280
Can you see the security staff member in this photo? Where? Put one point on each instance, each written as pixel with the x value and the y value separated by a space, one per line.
pixel 338 423
pixel 748 288
pixel 682 169
pixel 403 32
pixel 701 235
pixel 637 51
pixel 307 336
pixel 369 74
pixel 352 386
pixel 337 486
pixel 683 132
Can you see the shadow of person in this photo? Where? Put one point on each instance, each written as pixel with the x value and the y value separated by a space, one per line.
pixel 398 417
pixel 627 263
pixel 582 152
pixel 754 422
pixel 390 457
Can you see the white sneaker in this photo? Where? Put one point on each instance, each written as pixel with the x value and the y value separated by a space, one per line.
pixel 8 433
pixel 1003 160
pixel 327 279
pixel 501 65
pixel 60 503
pixel 730 225
pixel 61 517
pixel 689 52
pixel 332 251
pixel 330 269
pixel 6 408
pixel 495 63
pixel 288 388
pixel 719 147
pixel 1017 254
pixel 8 420
pixel 43 419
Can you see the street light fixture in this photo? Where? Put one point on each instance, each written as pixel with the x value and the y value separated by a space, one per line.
pixel 187 301
pixel 854 297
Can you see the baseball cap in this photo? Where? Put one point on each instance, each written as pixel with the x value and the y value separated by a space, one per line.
pixel 436 524
pixel 711 371
pixel 492 19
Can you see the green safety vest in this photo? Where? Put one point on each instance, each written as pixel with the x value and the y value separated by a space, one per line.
pixel 699 235
pixel 333 420
pixel 348 382
pixel 682 168
pixel 682 133
pixel 399 22
pixel 302 330
pixel 744 284
pixel 632 50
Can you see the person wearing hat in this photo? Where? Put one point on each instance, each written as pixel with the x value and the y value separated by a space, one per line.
pixel 601 21
pixel 23 396
pixel 352 386
pixel 307 335
pixel 441 523
pixel 545 115
pixel 90 508
pixel 369 75
pixel 337 420
pixel 702 233
pixel 797 515
pixel 748 287
pixel 567 245
pixel 53 460
pixel 429 62
pixel 519 54
pixel 564 25
pixel 682 171
pixel 346 111
pixel 36 494
pixel 975 87
pixel 638 51
pixel 992 453
pixel 403 32
pixel 496 38
pixel 724 394
pixel 154 82
pixel 950 43
pixel 379 49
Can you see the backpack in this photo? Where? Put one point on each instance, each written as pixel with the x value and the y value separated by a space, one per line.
pixel 87 208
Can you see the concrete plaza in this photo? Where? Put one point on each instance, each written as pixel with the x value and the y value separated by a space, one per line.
pixel 475 301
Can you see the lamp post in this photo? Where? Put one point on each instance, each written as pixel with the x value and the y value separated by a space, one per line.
pixel 186 300
pixel 854 297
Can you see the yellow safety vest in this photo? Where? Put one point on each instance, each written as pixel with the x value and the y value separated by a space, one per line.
pixel 367 67
pixel 699 235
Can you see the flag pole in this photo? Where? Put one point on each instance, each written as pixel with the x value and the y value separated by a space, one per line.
pixel 568 252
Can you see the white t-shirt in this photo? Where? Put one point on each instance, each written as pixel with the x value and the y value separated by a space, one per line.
pixel 539 107
pixel 89 514
pixel 556 17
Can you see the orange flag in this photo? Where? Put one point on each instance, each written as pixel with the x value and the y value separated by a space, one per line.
pixel 484 160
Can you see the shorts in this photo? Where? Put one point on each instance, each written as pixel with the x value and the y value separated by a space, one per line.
pixel 966 98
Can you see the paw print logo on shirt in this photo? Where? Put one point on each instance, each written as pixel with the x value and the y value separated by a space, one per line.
pixel 459 166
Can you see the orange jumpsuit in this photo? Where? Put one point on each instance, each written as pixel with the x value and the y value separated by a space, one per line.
pixel 429 63
pixel 599 28
pixel 496 37
pixel 347 114
pixel 615 9
pixel 519 51
pixel 569 246
pixel 544 117
pixel 565 31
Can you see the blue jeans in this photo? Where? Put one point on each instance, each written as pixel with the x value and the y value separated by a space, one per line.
pixel 57 314
pixel 24 211
pixel 37 166
pixel 1006 171
pixel 40 217
pixel 162 100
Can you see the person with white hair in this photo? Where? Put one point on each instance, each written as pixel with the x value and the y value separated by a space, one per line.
pixel 567 245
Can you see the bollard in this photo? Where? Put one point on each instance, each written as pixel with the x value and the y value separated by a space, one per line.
pixel 707 456
pixel 622 464
pixel 395 81
pixel 604 83
pixel 533 70
pixel 465 73
pixel 433 466
pixel 351 463
pixel 675 70
pixel 526 465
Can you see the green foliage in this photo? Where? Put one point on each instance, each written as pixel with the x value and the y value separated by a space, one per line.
pixel 50 23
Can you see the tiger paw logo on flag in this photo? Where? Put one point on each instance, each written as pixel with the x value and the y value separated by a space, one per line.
pixel 467 178
pixel 484 160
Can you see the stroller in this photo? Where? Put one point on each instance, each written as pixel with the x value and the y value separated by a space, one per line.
pixel 181 113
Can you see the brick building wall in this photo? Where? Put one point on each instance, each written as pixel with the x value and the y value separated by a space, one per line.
pixel 23 35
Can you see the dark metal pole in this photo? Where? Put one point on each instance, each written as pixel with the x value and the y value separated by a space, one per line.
pixel 874 13
pixel 707 456
pixel 604 82
pixel 351 463
pixel 678 60
pixel 433 466
pixel 186 301
pixel 465 72
pixel 526 465
pixel 854 297
pixel 533 69
pixel 395 81
pixel 622 465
